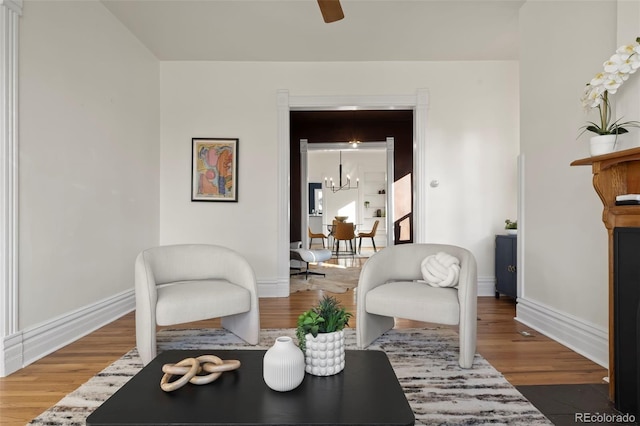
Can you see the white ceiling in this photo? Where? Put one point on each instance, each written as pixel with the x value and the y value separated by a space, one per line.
pixel 293 30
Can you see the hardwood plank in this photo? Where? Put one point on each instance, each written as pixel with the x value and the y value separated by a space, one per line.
pixel 522 360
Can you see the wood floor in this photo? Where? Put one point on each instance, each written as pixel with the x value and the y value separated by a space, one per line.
pixel 522 360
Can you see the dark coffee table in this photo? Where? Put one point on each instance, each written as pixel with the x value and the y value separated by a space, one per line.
pixel 366 392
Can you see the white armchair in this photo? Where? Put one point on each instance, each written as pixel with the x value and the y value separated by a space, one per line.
pixel 176 284
pixel 389 287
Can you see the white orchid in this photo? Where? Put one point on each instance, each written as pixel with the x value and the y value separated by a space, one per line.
pixel 617 70
pixel 617 64
pixel 598 79
pixel 592 97
pixel 613 83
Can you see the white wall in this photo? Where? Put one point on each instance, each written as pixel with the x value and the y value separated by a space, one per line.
pixel 95 189
pixel 341 203
pixel 627 101
pixel 89 160
pixel 325 164
pixel 565 264
pixel 472 134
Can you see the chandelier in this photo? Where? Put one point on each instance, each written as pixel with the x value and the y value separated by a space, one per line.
pixel 330 184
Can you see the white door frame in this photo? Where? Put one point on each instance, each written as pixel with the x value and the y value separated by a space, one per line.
pixel 418 102
pixel 10 353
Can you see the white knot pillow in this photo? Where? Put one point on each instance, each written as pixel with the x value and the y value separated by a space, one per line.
pixel 441 270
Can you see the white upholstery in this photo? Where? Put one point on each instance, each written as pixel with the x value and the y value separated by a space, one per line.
pixel 202 297
pixel 442 309
pixel 305 255
pixel 191 282
pixel 300 257
pixel 389 287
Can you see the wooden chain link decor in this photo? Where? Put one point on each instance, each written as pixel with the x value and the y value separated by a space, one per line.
pixel 191 369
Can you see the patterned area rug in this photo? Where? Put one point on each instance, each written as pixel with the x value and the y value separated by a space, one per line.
pixel 336 280
pixel 425 361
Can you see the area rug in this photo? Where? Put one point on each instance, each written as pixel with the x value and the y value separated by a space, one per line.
pixel 337 279
pixel 424 360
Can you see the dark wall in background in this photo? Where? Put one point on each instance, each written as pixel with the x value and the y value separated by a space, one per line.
pixel 344 126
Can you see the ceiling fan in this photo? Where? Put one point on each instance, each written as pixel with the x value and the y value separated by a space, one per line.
pixel 331 10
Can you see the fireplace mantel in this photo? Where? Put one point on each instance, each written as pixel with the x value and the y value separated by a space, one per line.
pixel 615 174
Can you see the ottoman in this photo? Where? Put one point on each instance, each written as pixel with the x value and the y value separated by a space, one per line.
pixel 306 256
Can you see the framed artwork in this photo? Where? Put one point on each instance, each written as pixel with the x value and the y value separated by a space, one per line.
pixel 214 169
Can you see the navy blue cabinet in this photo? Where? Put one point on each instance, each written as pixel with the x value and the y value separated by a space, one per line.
pixel 506 265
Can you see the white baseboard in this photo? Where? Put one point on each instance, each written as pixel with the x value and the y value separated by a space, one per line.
pixel 280 287
pixel 486 286
pixel 586 339
pixel 29 345
pixel 12 354
pixel 273 287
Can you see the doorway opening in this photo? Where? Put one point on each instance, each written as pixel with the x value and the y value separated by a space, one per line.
pixel 362 195
pixel 335 130
pixel 288 162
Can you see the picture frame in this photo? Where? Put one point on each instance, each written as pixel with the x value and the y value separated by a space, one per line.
pixel 214 169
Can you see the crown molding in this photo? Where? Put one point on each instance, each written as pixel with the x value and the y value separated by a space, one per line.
pixel 14 5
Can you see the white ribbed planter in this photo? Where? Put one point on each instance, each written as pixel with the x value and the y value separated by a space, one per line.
pixel 283 365
pixel 602 144
pixel 324 353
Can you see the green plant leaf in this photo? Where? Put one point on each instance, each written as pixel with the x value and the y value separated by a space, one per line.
pixel 326 317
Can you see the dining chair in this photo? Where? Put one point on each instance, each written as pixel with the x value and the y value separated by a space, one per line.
pixel 344 231
pixel 316 235
pixel 332 229
pixel 371 234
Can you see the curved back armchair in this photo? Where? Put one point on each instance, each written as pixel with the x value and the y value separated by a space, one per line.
pixel 176 284
pixel 391 285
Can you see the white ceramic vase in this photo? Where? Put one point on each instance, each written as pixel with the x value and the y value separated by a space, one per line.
pixel 283 365
pixel 602 144
pixel 325 353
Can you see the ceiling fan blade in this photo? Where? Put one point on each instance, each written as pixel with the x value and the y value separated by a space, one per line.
pixel 331 10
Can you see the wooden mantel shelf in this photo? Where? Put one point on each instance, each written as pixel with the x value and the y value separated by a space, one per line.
pixel 614 174
pixel 611 159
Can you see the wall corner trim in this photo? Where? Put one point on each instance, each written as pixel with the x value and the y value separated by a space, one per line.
pixel 10 11
pixel 11 353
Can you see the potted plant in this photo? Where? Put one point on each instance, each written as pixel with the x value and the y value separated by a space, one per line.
pixel 366 204
pixel 617 69
pixel 511 227
pixel 321 337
